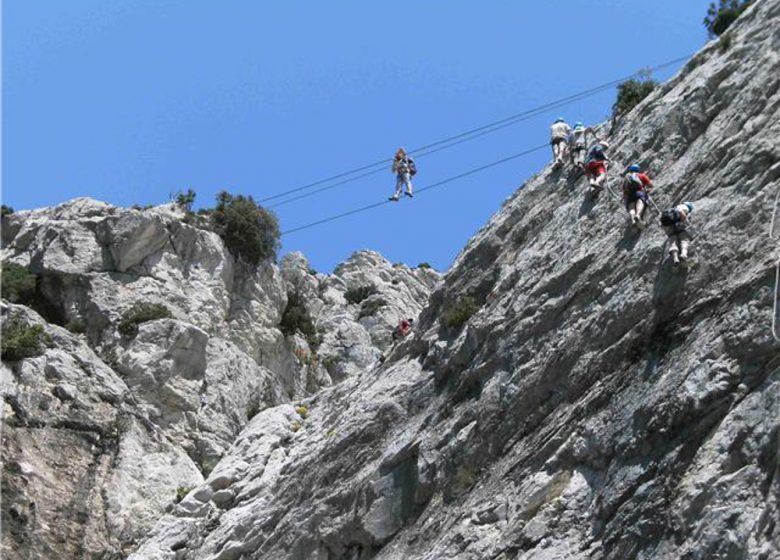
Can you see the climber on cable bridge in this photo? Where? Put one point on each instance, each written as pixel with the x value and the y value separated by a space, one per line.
pixel 596 166
pixel 404 169
pixel 636 187
pixel 403 329
pixel 559 136
pixel 578 144
pixel 675 222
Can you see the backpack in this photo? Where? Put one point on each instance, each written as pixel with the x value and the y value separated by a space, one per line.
pixel 596 153
pixel 412 167
pixel 633 182
pixel 670 217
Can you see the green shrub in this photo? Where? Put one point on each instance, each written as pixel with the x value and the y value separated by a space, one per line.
pixel 631 93
pixel 459 313
pixel 185 200
pixel 725 42
pixel 357 295
pixel 76 326
pixel 6 210
pixel 721 16
pixel 296 318
pixel 371 306
pixel 19 284
pixel 139 207
pixel 424 265
pixel 20 340
pixel 249 231
pixel 181 493
pixel 302 410
pixel 142 313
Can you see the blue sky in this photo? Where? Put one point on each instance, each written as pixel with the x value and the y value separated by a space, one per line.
pixel 128 101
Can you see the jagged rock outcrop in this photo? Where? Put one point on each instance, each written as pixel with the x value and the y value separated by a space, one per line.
pixel 106 427
pixel 587 401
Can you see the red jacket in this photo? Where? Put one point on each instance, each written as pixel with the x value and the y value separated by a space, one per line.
pixel 630 187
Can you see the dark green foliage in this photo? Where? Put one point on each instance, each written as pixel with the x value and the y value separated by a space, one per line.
pixel 631 93
pixel 371 306
pixel 141 313
pixel 18 284
pixel 139 207
pixel 296 318
pixel 76 326
pixel 356 295
pixel 185 200
pixel 6 210
pixel 424 265
pixel 725 42
pixel 720 17
pixel 20 340
pixel 460 312
pixel 250 231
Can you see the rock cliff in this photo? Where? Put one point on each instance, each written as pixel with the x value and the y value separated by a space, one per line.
pixel 567 393
pixel 106 427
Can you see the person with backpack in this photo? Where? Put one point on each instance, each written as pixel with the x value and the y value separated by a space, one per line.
pixel 675 222
pixel 635 193
pixel 403 329
pixel 596 167
pixel 578 144
pixel 559 133
pixel 404 169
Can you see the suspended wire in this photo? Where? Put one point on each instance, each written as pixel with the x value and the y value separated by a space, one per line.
pixel 427 188
pixel 472 133
pixel 528 115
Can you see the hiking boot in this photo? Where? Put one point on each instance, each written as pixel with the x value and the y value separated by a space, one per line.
pixel 393 198
pixel 410 195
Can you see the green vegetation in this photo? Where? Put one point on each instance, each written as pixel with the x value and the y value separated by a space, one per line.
pixel 357 295
pixel 460 312
pixel 20 340
pixel 142 313
pixel 424 265
pixel 295 426
pixel 19 284
pixel 250 231
pixel 631 93
pixel 76 326
pixel 181 493
pixel 725 42
pixel 370 306
pixel 721 16
pixel 296 318
pixel 145 207
pixel 185 200
pixel 6 210
pixel 302 410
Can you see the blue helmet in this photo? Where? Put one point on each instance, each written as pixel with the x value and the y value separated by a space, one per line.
pixel 578 124
pixel 689 205
pixel 633 168
pixel 559 119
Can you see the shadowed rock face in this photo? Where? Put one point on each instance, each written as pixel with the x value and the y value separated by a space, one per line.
pixel 598 403
pixel 105 430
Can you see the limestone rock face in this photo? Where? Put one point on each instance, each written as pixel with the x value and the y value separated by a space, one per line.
pixel 129 422
pixel 597 403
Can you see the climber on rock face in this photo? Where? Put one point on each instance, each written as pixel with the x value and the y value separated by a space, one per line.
pixel 578 144
pixel 403 329
pixel 559 135
pixel 635 193
pixel 596 167
pixel 404 169
pixel 675 222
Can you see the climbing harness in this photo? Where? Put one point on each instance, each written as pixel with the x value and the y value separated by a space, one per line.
pixel 443 144
pixel 777 271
